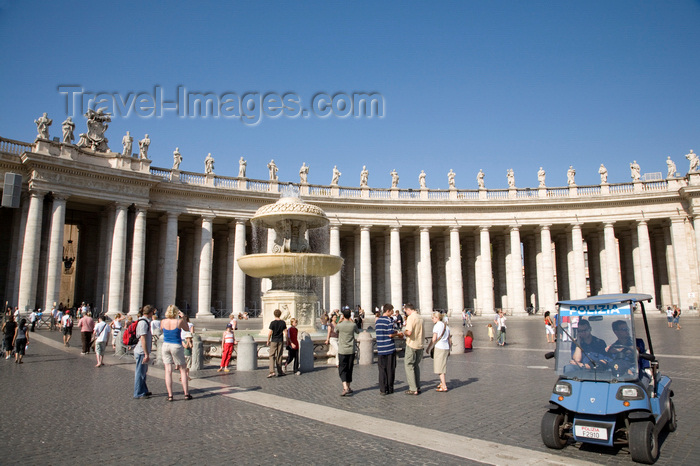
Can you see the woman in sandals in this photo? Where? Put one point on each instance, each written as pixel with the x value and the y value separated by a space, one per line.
pixel 172 350
pixel 441 343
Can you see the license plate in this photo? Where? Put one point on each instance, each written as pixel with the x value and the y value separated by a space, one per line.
pixel 597 433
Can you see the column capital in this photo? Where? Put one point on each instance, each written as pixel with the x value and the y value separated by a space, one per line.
pixel 117 205
pixel 425 229
pixel 334 226
pixel 576 226
pixel 484 227
pixel 608 223
pixel 545 226
pixel 60 197
pixel 395 228
pixel 364 227
pixel 456 228
pixel 141 207
pixel 514 227
pixel 641 222
pixel 37 192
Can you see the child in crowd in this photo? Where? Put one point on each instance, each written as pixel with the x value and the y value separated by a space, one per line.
pixel 227 341
pixel 490 330
pixel 468 341
pixel 187 346
pixel 293 347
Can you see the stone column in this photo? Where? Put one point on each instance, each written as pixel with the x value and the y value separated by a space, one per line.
pixel 205 263
pixel 426 273
pixel 612 259
pixel 335 285
pixel 169 271
pixel 486 289
pixel 578 291
pixel 546 278
pixel 138 261
pixel 456 275
pixel 365 270
pixel 117 262
pixel 357 270
pixel 53 278
pixel 29 272
pixel 396 277
pixel 680 253
pixel 196 259
pixel 516 292
pixel 646 282
pixel 386 298
pixel 238 275
pixel 229 264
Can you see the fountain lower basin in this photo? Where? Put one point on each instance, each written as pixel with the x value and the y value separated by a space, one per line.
pixel 290 264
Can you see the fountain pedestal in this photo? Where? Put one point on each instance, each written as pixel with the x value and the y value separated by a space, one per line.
pixel 298 304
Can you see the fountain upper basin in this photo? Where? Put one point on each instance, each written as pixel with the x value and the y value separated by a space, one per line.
pixel 290 264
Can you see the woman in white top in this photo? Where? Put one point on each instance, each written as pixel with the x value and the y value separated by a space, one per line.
pixel 441 343
pixel 501 326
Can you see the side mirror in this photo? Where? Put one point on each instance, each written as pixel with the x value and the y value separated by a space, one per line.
pixel 549 355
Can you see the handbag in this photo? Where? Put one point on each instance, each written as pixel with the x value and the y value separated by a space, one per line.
pixel 431 347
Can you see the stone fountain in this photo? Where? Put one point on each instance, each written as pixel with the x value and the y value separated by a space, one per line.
pixel 291 265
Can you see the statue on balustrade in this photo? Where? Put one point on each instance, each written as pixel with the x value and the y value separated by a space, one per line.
pixel 394 179
pixel 421 179
pixel 451 179
pixel 68 127
pixel 143 147
pixel 97 126
pixel 635 170
pixel 177 159
pixel 127 142
pixel 603 174
pixel 42 126
pixel 671 168
pixel 272 168
pixel 336 176
pixel 304 173
pixel 209 165
pixel 364 175
pixel 540 177
pixel 241 167
pixel 480 179
pixel 694 161
pixel 511 178
pixel 570 175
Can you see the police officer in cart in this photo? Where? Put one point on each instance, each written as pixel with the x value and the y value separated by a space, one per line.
pixel 590 350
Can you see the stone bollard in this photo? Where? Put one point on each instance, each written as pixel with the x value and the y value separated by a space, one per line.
pixel 366 351
pixel 457 335
pixel 157 355
pixel 197 353
pixel 306 353
pixel 247 354
pixel 119 350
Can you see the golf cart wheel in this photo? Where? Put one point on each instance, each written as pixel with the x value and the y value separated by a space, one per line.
pixel 552 430
pixel 644 444
pixel 672 423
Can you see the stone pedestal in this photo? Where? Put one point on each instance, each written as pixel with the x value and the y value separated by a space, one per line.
pixel 247 354
pixel 364 340
pixel 457 336
pixel 299 304
pixel 306 353
pixel 197 353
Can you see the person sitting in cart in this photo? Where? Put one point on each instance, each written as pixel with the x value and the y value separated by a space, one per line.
pixel 593 347
pixel 622 352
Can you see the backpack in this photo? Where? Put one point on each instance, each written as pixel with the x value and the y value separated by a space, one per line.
pixel 129 338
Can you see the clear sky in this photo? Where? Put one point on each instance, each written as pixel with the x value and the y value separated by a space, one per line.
pixel 465 85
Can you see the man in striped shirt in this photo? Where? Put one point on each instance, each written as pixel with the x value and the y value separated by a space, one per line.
pixel 386 350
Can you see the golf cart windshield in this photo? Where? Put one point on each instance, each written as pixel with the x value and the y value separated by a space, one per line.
pixel 595 341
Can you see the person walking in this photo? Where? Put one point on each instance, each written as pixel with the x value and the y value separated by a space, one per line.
pixel 172 352
pixel 67 327
pixel 275 340
pixel 346 350
pixel 500 321
pixel 441 345
pixel 293 347
pixel 228 339
pixel 87 326
pixel 414 348
pixel 332 336
pixel 142 352
pixel 8 332
pixel 549 327
pixel 116 326
pixel 101 337
pixel 386 350
pixel 20 340
pixel 677 318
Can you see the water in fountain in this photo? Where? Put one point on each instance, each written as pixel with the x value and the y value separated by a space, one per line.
pixel 290 190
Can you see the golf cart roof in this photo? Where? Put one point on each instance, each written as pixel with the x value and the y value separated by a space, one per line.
pixel 608 299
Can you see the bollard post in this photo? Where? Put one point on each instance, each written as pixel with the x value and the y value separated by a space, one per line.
pixel 119 350
pixel 158 358
pixel 457 335
pixel 197 353
pixel 306 353
pixel 366 350
pixel 247 354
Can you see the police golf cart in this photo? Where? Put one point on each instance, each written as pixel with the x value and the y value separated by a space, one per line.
pixel 610 390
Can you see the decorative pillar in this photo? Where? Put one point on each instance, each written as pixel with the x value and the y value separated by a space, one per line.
pixel 116 267
pixel 53 278
pixel 486 289
pixel 335 286
pixel 169 271
pixel 516 292
pixel 612 259
pixel 365 270
pixel 456 273
pixel 426 273
pixel 238 275
pixel 229 265
pixel 387 267
pixel 29 272
pixel 396 278
pixel 646 281
pixel 205 262
pixel 578 290
pixel 546 277
pixel 138 261
pixel 196 259
pixel 680 253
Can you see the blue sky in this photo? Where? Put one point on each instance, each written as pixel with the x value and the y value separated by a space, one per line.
pixel 466 85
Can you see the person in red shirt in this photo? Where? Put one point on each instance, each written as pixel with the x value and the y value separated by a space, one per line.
pixel 293 347
pixel 468 341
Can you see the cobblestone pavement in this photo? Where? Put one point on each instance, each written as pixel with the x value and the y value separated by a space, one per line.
pixel 59 409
